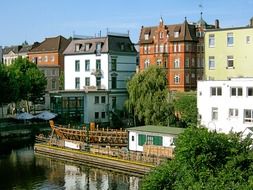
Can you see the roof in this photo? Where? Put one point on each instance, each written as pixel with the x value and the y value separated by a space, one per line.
pixel 14 49
pixel 230 28
pixel 54 44
pixel 187 32
pixel 157 129
pixel 110 43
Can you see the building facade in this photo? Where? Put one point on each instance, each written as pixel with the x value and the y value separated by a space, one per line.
pixel 100 68
pixel 1 54
pixel 152 135
pixel 178 48
pixel 226 105
pixel 48 56
pixel 228 52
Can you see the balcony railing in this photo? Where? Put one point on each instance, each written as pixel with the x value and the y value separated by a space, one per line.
pixel 97 72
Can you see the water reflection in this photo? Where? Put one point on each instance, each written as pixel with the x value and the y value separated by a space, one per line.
pixel 22 170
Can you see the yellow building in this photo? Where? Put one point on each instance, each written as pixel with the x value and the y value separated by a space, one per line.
pixel 229 52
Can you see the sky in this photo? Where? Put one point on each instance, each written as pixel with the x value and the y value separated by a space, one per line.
pixel 35 20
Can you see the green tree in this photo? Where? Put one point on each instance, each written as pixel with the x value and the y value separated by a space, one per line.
pixel 149 97
pixel 28 81
pixel 205 160
pixel 185 105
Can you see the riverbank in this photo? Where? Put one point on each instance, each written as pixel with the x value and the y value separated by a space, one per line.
pixel 81 157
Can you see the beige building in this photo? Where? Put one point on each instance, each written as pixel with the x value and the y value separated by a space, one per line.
pixel 229 52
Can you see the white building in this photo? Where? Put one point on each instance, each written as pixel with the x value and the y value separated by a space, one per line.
pixel 101 65
pixel 152 135
pixel 226 106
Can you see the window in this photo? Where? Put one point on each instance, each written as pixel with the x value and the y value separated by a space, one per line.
pixel 114 64
pixel 165 62
pixel 52 58
pixel 39 59
pixel 166 48
pixel 98 49
pixel 96 100
pixel 161 35
pixel 146 63
pixel 159 62
pixel 103 99
pixel 98 64
pixel 248 40
pixel 214 113
pixel 187 62
pixel 77 83
pixel 77 65
pixel 250 91
pixel 161 48
pixel 193 62
pixel 230 39
pixel 98 81
pixel 236 91
pixel 248 115
pixel 53 84
pixel 149 140
pixel 198 62
pixel 46 58
pixel 146 36
pixel 175 47
pixel 114 102
pixel 156 48
pixel 87 65
pixel 230 61
pixel 176 79
pixel 96 115
pixel 177 63
pixel 53 72
pixel 187 78
pixel 179 47
pixel 78 47
pixel 176 34
pixel 145 49
pixel 211 62
pixel 87 47
pixel 114 82
pixel 216 91
pixel 132 138
pixel 87 81
pixel 233 112
pixel 211 40
pixel 103 115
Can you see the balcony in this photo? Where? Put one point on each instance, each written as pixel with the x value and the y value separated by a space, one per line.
pixel 97 72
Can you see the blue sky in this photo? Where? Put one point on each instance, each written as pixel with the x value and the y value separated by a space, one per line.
pixel 34 20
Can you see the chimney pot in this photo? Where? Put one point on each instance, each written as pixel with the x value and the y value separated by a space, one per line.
pixel 217 23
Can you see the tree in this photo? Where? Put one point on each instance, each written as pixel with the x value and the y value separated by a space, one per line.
pixel 28 81
pixel 205 160
pixel 185 105
pixel 149 97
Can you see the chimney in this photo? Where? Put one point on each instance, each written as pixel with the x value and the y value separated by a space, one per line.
pixel 217 23
pixel 251 22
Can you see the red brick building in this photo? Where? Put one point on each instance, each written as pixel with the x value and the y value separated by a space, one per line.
pixel 179 48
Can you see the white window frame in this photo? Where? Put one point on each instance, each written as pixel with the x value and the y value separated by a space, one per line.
pixel 236 91
pixel 146 36
pixel 177 63
pixel 216 91
pixel 177 79
pixel 249 91
pixel 214 113
pixel 211 41
pixel 211 62
pixel 233 112
pixel 230 39
pixel 146 63
pixel 247 115
pixel 230 62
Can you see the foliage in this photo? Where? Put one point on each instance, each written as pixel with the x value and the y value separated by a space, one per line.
pixel 185 105
pixel 205 160
pixel 149 97
pixel 6 92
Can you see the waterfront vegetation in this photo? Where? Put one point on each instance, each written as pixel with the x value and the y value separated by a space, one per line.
pixel 151 103
pixel 205 160
pixel 22 80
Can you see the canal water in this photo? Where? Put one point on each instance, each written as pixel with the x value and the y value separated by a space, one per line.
pixel 21 169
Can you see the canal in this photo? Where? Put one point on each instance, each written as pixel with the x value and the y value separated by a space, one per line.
pixel 21 169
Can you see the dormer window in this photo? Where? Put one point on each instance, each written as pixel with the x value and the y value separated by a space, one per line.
pixel 98 48
pixel 176 34
pixel 146 36
pixel 122 47
pixel 78 47
pixel 87 47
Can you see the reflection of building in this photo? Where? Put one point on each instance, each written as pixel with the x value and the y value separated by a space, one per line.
pixel 97 69
pixel 179 48
pixel 228 52
pixel 152 135
pixel 226 106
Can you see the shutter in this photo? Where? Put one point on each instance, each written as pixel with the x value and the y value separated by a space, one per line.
pixel 141 139
pixel 158 140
